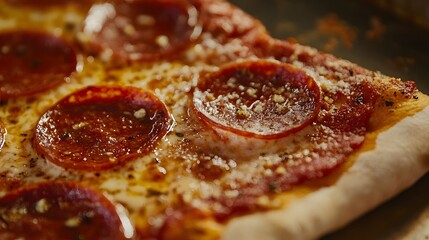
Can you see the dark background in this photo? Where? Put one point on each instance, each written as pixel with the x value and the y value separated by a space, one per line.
pixel 401 49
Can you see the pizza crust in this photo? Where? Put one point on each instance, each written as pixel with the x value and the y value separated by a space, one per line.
pixel 399 159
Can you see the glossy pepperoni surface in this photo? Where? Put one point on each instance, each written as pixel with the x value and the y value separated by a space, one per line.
pixel 142 29
pixel 260 99
pixel 227 22
pixel 101 127
pixel 63 210
pixel 33 62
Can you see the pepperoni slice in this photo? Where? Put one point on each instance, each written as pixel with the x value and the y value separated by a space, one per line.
pixel 141 29
pixel 32 62
pixel 226 22
pixel 260 99
pixel 98 128
pixel 58 211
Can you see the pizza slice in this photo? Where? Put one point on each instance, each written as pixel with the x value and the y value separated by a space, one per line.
pixel 162 119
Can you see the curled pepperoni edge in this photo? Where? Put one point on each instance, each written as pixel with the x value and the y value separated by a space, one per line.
pixel 61 190
pixel 214 124
pixel 121 160
pixel 42 88
pixel 92 44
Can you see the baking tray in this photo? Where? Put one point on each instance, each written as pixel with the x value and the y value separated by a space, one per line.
pixel 359 32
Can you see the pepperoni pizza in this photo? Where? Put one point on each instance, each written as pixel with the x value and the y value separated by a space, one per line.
pixel 184 119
